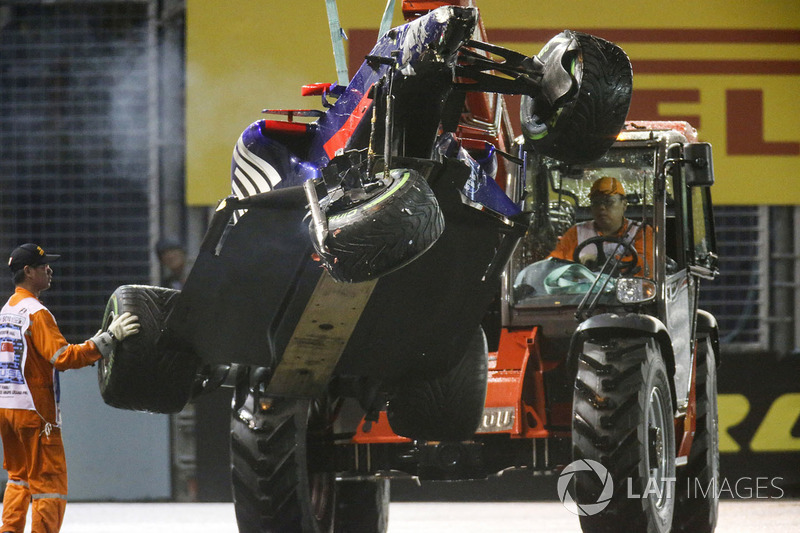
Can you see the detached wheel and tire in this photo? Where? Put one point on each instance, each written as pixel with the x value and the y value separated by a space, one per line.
pixel 139 375
pixel 586 127
pixel 622 419
pixel 383 230
pixel 697 486
pixel 446 408
pixel 279 479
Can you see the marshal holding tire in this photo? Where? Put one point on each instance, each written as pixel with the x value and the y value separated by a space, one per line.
pixel 622 419
pixel 138 374
pixel 585 127
pixel 373 232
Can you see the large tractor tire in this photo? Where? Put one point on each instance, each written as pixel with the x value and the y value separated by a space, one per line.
pixel 362 506
pixel 138 374
pixel 586 127
pixel 622 419
pixel 383 230
pixel 445 408
pixel 279 482
pixel 697 486
pixel 274 487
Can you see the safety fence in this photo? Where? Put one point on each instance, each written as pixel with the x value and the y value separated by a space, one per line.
pixel 76 140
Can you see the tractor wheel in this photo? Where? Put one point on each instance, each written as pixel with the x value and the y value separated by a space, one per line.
pixel 586 127
pixel 383 230
pixel 279 449
pixel 696 507
pixel 276 486
pixel 622 419
pixel 446 408
pixel 362 506
pixel 138 374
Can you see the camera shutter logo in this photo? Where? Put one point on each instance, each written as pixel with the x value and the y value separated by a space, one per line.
pixel 590 467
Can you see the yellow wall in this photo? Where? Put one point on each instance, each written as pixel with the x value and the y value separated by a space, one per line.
pixel 246 55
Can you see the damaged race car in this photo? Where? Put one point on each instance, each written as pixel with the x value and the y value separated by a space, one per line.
pixel 348 274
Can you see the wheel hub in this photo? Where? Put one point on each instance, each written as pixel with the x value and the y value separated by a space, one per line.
pixel 657 445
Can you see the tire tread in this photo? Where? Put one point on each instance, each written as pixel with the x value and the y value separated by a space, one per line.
pixel 138 374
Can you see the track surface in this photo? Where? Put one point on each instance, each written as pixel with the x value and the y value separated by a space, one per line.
pixel 744 516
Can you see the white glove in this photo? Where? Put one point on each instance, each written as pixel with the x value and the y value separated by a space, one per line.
pixel 123 325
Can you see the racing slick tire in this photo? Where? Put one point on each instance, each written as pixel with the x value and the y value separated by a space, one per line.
pixel 586 127
pixel 386 229
pixel 697 503
pixel 623 421
pixel 444 408
pixel 138 374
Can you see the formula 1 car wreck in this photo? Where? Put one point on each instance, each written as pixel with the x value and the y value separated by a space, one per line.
pixel 350 270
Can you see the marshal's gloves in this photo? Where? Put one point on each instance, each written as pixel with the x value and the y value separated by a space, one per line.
pixel 121 326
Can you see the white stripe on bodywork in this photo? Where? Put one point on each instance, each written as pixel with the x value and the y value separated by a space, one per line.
pixel 249 188
pixel 247 171
pixel 237 191
pixel 265 168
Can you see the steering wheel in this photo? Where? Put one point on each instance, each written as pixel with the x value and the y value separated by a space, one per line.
pixel 629 258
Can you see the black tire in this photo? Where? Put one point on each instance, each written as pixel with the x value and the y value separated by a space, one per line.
pixel 586 127
pixel 622 419
pixel 445 408
pixel 362 506
pixel 138 374
pixel 388 229
pixel 275 488
pixel 697 486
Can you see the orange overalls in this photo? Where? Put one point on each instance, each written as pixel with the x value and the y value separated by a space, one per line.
pixel 570 240
pixel 32 447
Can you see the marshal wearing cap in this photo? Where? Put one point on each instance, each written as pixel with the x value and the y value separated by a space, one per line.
pixel 29 254
pixel 607 185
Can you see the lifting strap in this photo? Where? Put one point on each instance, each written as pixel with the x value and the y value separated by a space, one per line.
pixel 386 21
pixel 337 40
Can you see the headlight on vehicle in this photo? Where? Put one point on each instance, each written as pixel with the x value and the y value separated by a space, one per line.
pixel 635 290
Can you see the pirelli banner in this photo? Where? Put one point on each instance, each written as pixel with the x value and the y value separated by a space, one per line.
pixel 729 68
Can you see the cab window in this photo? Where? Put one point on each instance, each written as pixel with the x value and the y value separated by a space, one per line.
pixel 557 197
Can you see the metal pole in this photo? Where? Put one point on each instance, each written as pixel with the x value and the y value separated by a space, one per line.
pixel 795 317
pixel 781 281
pixel 172 146
pixel 153 126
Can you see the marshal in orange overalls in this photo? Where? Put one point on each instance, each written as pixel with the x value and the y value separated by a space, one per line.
pixel 30 423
